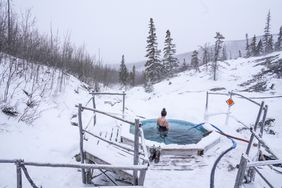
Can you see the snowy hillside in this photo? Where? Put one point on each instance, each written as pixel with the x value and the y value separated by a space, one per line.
pixel 232 50
pixel 50 137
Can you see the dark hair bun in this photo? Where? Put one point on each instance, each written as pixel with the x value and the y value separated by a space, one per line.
pixel 163 112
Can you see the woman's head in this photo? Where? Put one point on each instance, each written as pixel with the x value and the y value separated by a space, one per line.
pixel 163 112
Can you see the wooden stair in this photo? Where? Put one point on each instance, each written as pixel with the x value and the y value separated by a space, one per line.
pixel 179 163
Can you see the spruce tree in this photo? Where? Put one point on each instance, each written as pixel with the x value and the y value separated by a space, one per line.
pixel 239 53
pixel 169 61
pixel 132 76
pixel 266 35
pixel 123 73
pixel 206 55
pixel 278 44
pixel 259 48
pixel 153 67
pixel 253 46
pixel 270 44
pixel 224 54
pixel 248 53
pixel 219 40
pixel 184 65
pixel 195 60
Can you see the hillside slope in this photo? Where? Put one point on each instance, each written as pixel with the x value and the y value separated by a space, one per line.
pixel 50 137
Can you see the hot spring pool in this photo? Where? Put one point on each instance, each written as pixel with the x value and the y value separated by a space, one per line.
pixel 180 132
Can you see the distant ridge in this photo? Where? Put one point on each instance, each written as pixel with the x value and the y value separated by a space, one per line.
pixel 232 50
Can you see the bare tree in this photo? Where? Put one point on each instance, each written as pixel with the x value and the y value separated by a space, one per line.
pixel 11 72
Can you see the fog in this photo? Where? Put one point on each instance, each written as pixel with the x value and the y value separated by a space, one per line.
pixel 116 27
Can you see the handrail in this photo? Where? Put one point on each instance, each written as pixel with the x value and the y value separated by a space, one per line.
pixel 74 165
pixel 8 161
pixel 233 93
pixel 113 143
pixel 263 163
pixel 97 93
pixel 105 113
pixel 20 166
pixel 246 98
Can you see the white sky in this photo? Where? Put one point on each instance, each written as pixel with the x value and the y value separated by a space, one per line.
pixel 119 27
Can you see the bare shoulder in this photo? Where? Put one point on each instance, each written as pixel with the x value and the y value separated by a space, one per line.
pixel 158 120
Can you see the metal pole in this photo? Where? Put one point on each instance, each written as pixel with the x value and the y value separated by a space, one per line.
pixel 136 151
pixel 19 174
pixel 123 103
pixel 81 142
pixel 255 127
pixel 228 111
pixel 94 113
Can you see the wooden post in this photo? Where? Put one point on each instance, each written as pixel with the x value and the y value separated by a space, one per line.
pixel 81 142
pixel 19 174
pixel 241 171
pixel 142 177
pixel 136 151
pixel 123 103
pixel 94 113
pixel 263 120
pixel 259 115
pixel 255 128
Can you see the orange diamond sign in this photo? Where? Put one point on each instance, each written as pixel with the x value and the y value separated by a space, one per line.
pixel 230 102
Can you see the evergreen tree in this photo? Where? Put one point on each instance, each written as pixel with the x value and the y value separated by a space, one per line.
pixel 266 35
pixel 169 61
pixel 195 60
pixel 123 73
pixel 219 40
pixel 132 76
pixel 278 44
pixel 184 65
pixel 239 53
pixel 259 48
pixel 248 53
pixel 153 67
pixel 224 54
pixel 270 44
pixel 253 46
pixel 206 55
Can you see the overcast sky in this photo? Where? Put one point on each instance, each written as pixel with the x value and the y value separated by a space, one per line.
pixel 119 27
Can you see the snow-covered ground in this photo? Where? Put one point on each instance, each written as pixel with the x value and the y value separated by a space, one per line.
pixel 52 138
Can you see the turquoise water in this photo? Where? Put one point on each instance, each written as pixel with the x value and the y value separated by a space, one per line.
pixel 180 132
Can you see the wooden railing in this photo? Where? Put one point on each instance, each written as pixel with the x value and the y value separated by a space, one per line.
pixel 247 167
pixel 21 166
pixel 98 93
pixel 137 135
